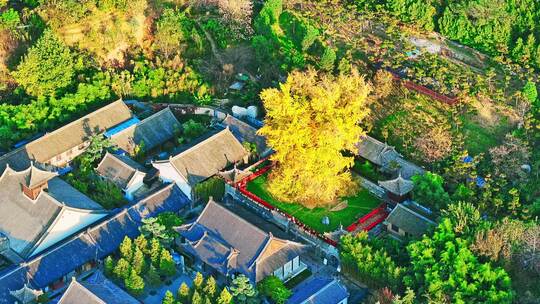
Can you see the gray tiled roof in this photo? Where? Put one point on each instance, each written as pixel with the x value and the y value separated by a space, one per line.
pixel 77 132
pixel 384 155
pixel 96 242
pixel 95 290
pixel 234 175
pixel 319 290
pixel 208 157
pixel 409 220
pixel 398 186
pixel 76 293
pixel 69 136
pixel 119 169
pixel 69 196
pixel 230 244
pixel 245 132
pixel 37 176
pixel 153 131
pixel 17 160
pixel 25 221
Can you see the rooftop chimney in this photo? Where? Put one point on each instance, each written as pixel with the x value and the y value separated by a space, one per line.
pixel 36 181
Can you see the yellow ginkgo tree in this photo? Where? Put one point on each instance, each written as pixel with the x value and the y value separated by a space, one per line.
pixel 311 120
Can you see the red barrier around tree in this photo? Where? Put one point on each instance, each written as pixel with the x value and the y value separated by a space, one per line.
pixel 379 211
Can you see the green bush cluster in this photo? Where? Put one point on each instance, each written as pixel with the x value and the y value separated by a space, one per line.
pixel 140 260
pixel 289 39
pixel 508 27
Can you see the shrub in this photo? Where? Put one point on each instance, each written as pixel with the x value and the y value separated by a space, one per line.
pixel 213 187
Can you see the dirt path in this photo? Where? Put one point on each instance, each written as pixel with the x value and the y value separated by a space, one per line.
pixel 216 53
pixel 212 43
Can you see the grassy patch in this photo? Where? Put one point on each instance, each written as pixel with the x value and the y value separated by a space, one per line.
pixel 479 139
pixel 358 205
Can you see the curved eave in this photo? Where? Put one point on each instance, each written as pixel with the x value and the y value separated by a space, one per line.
pixel 47 232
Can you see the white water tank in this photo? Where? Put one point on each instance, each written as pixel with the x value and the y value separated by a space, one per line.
pixel 252 111
pixel 239 112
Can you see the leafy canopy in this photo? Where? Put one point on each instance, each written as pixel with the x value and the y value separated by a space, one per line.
pixel 443 267
pixel 310 120
pixel 48 67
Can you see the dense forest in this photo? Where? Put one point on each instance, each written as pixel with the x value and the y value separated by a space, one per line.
pixel 505 28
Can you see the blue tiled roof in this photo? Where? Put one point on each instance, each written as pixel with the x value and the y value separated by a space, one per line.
pixel 97 242
pixel 319 290
pixel 122 126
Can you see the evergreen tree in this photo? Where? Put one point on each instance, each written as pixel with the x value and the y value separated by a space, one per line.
pixel 530 92
pixel 198 281
pixel 328 59
pixel 169 298
pixel 311 34
pixel 48 67
pixel 368 264
pixel 242 290
pixel 122 269
pixel 429 190
pixel 443 267
pixel 224 297
pixel 528 48
pixel 183 292
pixel 138 263
pixel 134 283
pixel 126 249
pixel 196 299
pixel 210 287
pixel 142 244
pixel 152 276
pixel 166 263
pixel 155 251
pixel 109 266
pixel 151 228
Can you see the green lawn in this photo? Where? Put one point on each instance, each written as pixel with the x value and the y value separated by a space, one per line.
pixel 479 139
pixel 360 204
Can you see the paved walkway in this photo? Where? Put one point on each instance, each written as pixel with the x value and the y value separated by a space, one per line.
pixel 158 297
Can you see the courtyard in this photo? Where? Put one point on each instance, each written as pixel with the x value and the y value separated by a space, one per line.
pixel 357 205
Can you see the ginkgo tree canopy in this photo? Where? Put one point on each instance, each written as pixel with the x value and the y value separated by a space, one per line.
pixel 311 119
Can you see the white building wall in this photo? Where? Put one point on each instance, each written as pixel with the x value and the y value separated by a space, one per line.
pixel 168 174
pixel 136 183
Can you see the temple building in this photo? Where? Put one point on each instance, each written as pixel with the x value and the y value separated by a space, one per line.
pixel 386 157
pixel 57 148
pixel 77 256
pixel 126 173
pixel 244 132
pixel 96 289
pixel 225 244
pixel 397 189
pixel 38 210
pixel 146 134
pixel 201 161
pixel 408 219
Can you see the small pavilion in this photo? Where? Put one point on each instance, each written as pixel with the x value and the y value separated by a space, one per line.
pixel 26 294
pixel 398 189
